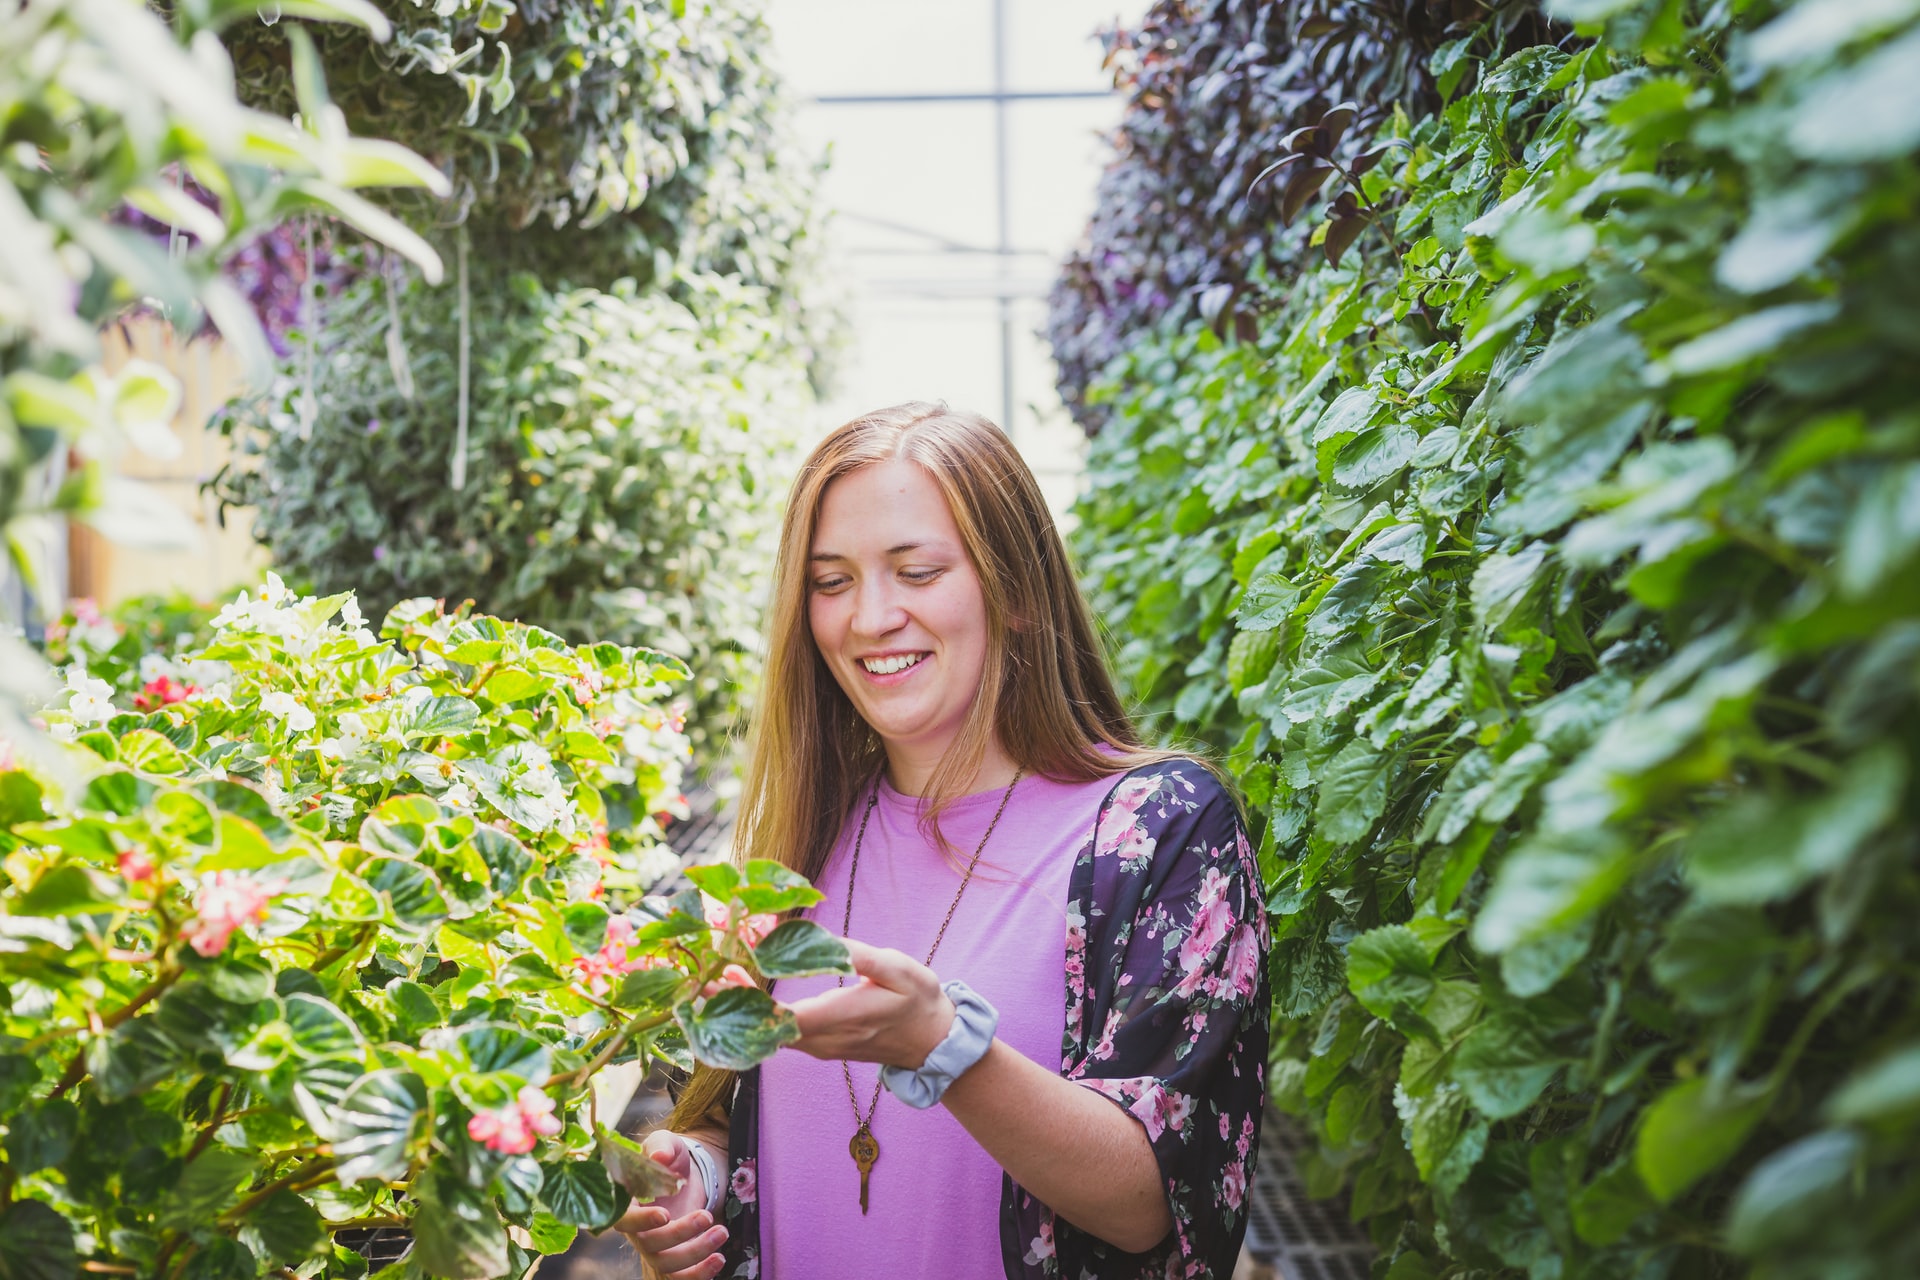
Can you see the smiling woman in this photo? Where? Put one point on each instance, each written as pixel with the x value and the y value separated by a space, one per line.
pixel 939 748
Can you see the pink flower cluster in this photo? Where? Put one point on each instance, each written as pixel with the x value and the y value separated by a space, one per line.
pixel 513 1130
pixel 732 976
pixel 163 692
pixel 136 866
pixel 612 960
pixel 226 902
pixel 751 929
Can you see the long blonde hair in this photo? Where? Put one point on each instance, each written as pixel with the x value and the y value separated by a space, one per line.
pixel 1045 692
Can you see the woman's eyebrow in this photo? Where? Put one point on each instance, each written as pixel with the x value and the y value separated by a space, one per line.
pixel 820 556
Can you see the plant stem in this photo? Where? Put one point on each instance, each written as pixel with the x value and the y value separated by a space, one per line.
pixel 205 1139
pixel 644 1022
pixel 333 954
pixel 77 1069
pixel 292 1181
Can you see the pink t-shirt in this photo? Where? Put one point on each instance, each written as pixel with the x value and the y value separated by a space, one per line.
pixel 935 1194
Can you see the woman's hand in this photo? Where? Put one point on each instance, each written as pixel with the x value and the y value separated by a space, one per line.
pixel 893 1013
pixel 674 1235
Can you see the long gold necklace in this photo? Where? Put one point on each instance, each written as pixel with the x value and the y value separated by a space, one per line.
pixel 864 1148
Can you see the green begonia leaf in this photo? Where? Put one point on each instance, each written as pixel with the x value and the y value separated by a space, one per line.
pixel 580 1193
pixel 736 1029
pixel 800 949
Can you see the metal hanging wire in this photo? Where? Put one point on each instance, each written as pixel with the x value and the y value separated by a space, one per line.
pixel 459 477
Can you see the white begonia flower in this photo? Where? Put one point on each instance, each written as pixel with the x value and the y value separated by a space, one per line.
pixel 95 636
pixel 275 592
pixel 287 709
pixel 350 615
pixel 271 788
pixel 352 740
pixel 237 612
pixel 90 700
pixel 457 796
pixel 153 666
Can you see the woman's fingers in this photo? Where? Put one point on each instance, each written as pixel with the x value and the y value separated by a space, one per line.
pixel 684 1242
pixel 641 1217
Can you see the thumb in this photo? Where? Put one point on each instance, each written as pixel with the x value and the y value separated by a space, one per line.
pixel 882 966
pixel 670 1150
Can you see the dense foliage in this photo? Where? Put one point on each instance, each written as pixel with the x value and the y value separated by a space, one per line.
pixel 625 454
pixel 352 938
pixel 1218 92
pixel 633 224
pixel 102 104
pixel 1549 570
pixel 653 135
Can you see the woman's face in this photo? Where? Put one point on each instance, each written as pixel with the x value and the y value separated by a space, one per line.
pixel 896 607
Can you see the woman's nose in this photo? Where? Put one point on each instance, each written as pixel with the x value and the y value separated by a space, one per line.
pixel 876 611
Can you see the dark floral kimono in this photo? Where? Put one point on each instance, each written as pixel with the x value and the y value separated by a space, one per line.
pixel 1167 1004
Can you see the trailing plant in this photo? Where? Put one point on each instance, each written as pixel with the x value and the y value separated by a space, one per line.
pixel 1198 199
pixel 355 938
pixel 624 456
pixel 584 143
pixel 99 101
pixel 1548 571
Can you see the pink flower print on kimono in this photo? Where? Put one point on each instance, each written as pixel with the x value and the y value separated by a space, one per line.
pixel 1041 1247
pixel 1233 1186
pixel 746 1182
pixel 1212 922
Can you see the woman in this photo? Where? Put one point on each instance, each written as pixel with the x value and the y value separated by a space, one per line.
pixel 940 749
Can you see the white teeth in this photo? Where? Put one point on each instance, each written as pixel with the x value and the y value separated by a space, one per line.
pixel 887 666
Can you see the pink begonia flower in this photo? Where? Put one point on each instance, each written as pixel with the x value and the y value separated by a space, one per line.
pixel 612 960
pixel 721 917
pixel 746 1182
pixel 515 1129
pixel 226 902
pixel 731 976
pixel 135 865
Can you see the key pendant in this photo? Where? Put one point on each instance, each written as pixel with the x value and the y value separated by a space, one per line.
pixel 864 1151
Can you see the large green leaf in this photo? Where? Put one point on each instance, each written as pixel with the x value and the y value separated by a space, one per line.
pixel 412 891
pixel 438 716
pixel 209 1184
pixel 800 949
pixel 458 1234
pixel 580 1193
pixel 1690 1130
pixel 736 1029
pixel 36 1243
pixel 287 1230
pixel 372 1124
pixel 40 1135
pixel 1389 967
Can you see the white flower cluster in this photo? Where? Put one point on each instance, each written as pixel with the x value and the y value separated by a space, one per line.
pixel 89 702
pixel 278 612
pixel 288 710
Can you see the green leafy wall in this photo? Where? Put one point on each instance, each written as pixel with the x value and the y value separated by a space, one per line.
pixel 1546 569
